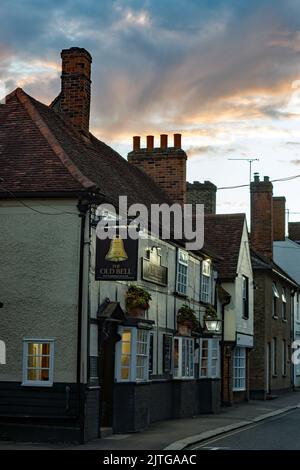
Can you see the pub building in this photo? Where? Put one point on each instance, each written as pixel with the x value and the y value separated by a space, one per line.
pixel 102 336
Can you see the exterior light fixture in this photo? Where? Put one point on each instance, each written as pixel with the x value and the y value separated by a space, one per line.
pixel 213 325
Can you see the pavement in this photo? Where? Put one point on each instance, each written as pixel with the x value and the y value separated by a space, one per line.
pixel 182 433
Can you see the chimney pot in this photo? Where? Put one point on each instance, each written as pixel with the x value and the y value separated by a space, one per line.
pixel 177 141
pixel 256 177
pixel 163 141
pixel 136 143
pixel 266 179
pixel 150 142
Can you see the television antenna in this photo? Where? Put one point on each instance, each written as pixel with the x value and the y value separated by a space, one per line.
pixel 250 161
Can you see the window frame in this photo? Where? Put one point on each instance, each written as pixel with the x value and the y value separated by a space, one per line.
pixel 186 357
pixel 243 377
pixel 213 344
pixel 276 296
pixel 132 375
pixel 245 298
pixel 183 266
pixel 283 304
pixel 38 383
pixel 206 274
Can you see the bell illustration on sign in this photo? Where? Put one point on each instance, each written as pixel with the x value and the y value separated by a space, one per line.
pixel 116 259
pixel 116 250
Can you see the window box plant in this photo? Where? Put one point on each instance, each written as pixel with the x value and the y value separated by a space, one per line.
pixel 137 301
pixel 186 320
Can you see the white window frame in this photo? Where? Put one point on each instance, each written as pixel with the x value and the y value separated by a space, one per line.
pixel 186 361
pixel 206 281
pixel 182 272
pixel 132 376
pixel 38 383
pixel 213 358
pixel 240 355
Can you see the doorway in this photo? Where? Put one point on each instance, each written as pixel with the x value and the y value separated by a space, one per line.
pixel 268 368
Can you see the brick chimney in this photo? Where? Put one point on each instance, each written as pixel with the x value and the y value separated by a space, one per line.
pixel 279 218
pixel 166 165
pixel 202 193
pixel 294 231
pixel 75 97
pixel 262 216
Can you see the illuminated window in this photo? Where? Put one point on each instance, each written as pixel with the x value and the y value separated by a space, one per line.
pixel 132 355
pixel 38 362
pixel 126 355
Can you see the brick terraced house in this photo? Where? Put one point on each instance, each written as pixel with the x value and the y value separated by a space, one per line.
pixel 271 371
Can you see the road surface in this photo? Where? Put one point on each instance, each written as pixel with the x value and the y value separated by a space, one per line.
pixel 278 433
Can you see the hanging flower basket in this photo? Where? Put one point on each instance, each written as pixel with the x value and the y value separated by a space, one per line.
pixel 137 301
pixel 186 320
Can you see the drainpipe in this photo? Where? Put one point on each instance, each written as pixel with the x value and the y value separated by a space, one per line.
pixel 224 304
pixel 82 207
pixel 292 310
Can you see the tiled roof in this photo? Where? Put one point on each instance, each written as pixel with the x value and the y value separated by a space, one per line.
pixel 223 235
pixel 40 151
pixel 260 262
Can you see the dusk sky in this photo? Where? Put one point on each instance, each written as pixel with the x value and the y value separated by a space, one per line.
pixel 226 74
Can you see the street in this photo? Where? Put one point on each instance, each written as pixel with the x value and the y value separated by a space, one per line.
pixel 279 433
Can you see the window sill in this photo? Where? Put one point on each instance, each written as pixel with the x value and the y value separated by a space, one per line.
pixel 178 294
pixel 245 318
pixel 37 384
pixel 274 376
pixel 284 320
pixel 239 389
pixel 275 317
pixel 184 378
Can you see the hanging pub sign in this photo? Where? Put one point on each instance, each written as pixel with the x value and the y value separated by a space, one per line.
pixel 116 259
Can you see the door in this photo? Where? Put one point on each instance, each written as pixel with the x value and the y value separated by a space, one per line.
pixel 107 376
pixel 268 368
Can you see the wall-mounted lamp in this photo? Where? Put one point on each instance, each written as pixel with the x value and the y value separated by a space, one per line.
pixel 213 325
